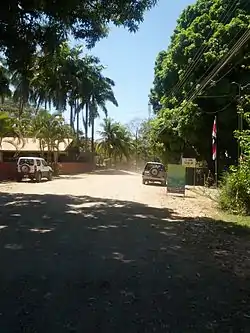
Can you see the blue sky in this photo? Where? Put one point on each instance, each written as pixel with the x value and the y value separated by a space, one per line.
pixel 130 59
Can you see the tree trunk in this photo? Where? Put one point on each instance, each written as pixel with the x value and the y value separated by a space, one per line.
pixel 86 125
pixel 77 127
pixel 71 117
pixel 20 108
pixel 136 150
pixel 38 105
pixel 93 135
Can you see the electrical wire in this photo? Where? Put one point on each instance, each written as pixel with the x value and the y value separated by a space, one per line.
pixel 213 96
pixel 220 110
pixel 201 51
pixel 244 38
pixel 230 69
pixel 225 60
pixel 243 6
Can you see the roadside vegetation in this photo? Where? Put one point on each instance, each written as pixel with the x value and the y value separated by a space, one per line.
pixel 42 76
pixel 205 73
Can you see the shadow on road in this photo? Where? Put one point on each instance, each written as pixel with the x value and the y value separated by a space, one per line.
pixel 84 264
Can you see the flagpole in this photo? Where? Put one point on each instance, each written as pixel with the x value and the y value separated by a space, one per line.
pixel 215 150
pixel 216 158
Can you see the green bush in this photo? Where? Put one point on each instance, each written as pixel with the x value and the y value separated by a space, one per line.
pixel 235 190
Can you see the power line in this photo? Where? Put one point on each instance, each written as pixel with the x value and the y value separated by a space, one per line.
pixel 230 69
pixel 201 51
pixel 244 38
pixel 213 96
pixel 225 59
pixel 222 62
pixel 211 66
pixel 220 110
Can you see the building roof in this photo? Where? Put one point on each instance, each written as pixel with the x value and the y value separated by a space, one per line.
pixel 29 145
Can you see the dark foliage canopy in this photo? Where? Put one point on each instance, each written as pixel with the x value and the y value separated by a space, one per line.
pixel 205 32
pixel 28 24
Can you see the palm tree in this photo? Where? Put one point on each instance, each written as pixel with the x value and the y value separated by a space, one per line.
pixel 91 90
pixel 115 141
pixel 101 94
pixel 51 80
pixel 9 127
pixel 89 67
pixel 4 81
pixel 51 130
pixel 21 80
pixel 63 77
pixel 46 79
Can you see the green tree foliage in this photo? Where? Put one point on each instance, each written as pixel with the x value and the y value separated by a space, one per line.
pixel 244 136
pixel 146 147
pixel 115 140
pixel 235 193
pixel 204 33
pixel 51 130
pixel 4 81
pixel 28 25
pixel 59 79
pixel 149 149
pixel 235 189
pixel 9 127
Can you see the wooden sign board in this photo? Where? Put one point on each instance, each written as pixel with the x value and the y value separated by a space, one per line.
pixel 189 162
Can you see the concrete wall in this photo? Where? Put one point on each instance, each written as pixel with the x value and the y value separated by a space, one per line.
pixel 71 168
pixel 7 170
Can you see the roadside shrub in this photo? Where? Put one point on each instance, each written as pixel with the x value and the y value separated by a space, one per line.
pixel 235 190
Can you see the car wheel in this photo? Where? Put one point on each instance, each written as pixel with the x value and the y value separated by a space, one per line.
pixel 154 172
pixel 25 169
pixel 49 176
pixel 38 177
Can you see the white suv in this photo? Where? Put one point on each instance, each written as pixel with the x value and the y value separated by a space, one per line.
pixel 34 168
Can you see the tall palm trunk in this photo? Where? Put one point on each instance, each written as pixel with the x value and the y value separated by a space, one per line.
pixel 93 134
pixel 71 116
pixel 136 149
pixel 38 105
pixel 86 125
pixel 77 124
pixel 20 109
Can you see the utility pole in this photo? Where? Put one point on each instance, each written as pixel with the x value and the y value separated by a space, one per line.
pixel 240 115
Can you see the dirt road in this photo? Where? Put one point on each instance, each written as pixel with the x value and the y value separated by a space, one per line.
pixel 103 253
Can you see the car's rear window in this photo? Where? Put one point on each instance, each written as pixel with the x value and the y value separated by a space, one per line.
pixel 26 161
pixel 149 166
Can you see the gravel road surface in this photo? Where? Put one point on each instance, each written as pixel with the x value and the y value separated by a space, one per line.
pixel 103 253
